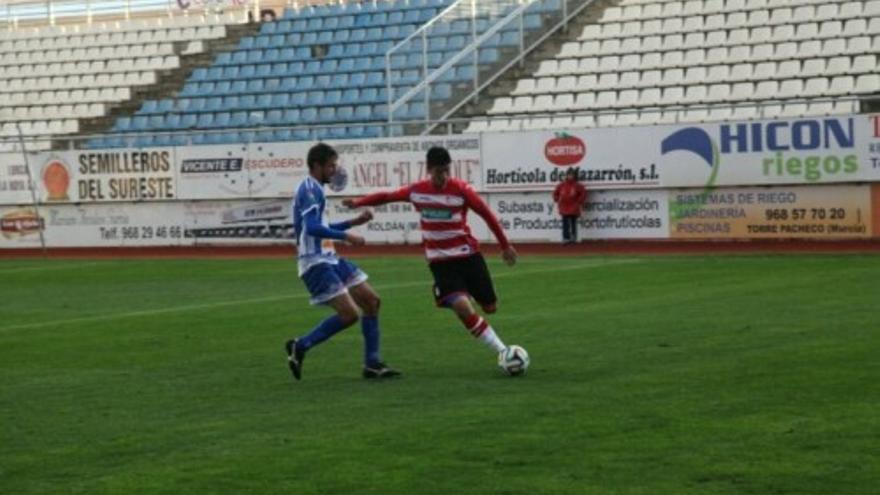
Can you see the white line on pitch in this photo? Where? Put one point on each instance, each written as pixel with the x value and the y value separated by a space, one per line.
pixel 196 307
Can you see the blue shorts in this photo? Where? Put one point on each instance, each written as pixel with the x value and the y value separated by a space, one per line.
pixel 326 281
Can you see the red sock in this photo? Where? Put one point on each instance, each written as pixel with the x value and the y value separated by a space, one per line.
pixel 476 325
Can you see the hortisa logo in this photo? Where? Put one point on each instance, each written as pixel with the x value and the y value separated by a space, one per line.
pixel 565 150
pixel 19 223
pixel 56 179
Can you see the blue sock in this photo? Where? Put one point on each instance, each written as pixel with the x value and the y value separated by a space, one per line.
pixel 370 328
pixel 326 329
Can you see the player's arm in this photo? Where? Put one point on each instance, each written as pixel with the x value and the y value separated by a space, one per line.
pixel 476 203
pixel 315 228
pixel 379 198
pixel 361 219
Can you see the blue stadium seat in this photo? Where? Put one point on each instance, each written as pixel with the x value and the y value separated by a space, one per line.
pixel 221 119
pixel 325 38
pixel 280 100
pixel 264 136
pixel 269 28
pixel 238 119
pixel 165 105
pixel 248 101
pixel 222 87
pixel 139 123
pixel 315 98
pixel 231 102
pixel 327 114
pixel 350 95
pixel 224 58
pixel 265 70
pixel 357 80
pixel 291 116
pixel 213 103
pixel 293 39
pixel 172 121
pixel 312 67
pixel 283 26
pixel 215 73
pixel 252 57
pixel 188 121
pixel 346 22
pixel 309 38
pixel 369 95
pixel 288 83
pixel 255 85
pixel 324 80
pixel 231 72
pixel 309 115
pixel 488 56
pixel 332 97
pixel 272 84
pixel 190 89
pixel 247 71
pixel 241 57
pixel 149 107
pixel 412 16
pixel 456 43
pixel 346 65
pixel 336 50
pixel 329 66
pixel 238 86
pixel 277 41
pixel 375 79
pixel 276 70
pixel 375 34
pixel 144 141
pixel 298 99
pixel 123 124
pixel 315 24
pixel 358 35
pixel 263 101
pixel 305 83
pixel 345 114
pixel 380 111
pixel 246 43
pixel 363 113
pixel 395 17
pixel 441 91
pixel 274 116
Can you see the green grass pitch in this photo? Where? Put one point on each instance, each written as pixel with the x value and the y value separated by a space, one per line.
pixel 650 375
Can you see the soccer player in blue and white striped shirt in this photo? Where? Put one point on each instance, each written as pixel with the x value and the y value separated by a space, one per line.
pixel 330 279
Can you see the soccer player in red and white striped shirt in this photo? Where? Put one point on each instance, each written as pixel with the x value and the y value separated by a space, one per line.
pixel 453 254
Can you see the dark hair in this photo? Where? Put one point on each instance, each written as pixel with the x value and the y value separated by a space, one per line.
pixel 320 154
pixel 571 171
pixel 438 157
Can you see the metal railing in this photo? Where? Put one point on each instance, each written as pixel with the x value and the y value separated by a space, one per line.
pixel 495 46
pixel 470 19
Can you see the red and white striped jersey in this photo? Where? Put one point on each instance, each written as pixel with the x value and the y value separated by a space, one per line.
pixel 445 232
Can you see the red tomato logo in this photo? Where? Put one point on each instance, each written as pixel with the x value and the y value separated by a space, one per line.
pixel 565 150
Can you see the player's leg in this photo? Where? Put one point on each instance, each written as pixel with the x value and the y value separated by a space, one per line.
pixel 451 291
pixel 369 302
pixel 574 229
pixel 325 287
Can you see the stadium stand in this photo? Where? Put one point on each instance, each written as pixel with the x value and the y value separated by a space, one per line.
pixel 53 78
pixel 320 71
pixel 651 62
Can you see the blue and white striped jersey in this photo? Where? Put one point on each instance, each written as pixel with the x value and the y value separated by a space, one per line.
pixel 311 250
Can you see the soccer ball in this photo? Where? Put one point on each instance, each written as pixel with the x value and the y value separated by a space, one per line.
pixel 513 361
